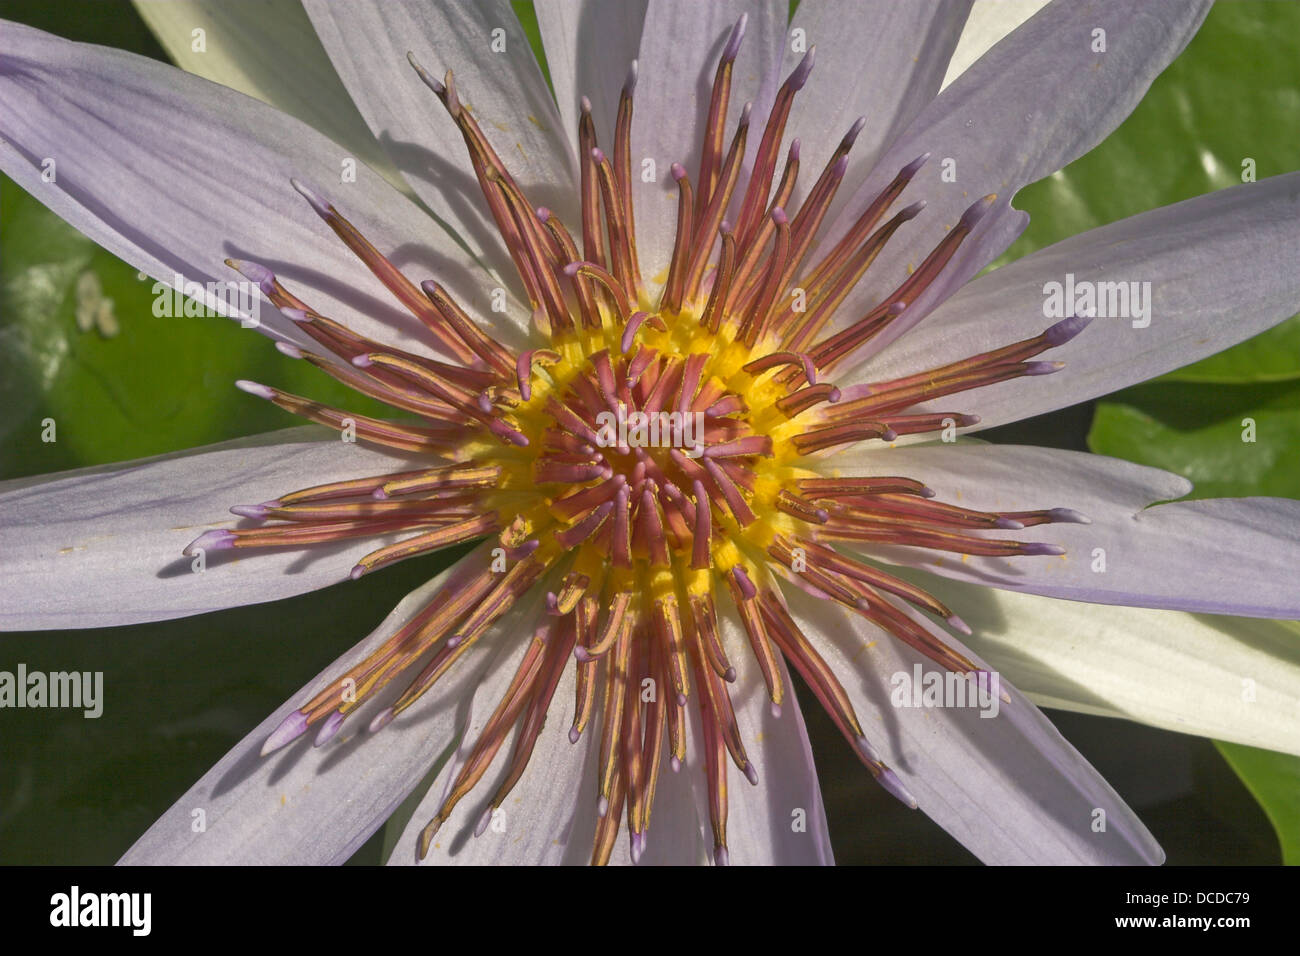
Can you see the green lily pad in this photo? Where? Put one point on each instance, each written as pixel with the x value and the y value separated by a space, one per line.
pixel 1274 780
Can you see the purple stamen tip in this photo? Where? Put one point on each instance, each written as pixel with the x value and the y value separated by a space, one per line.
pixel 484 401
pixel 318 202
pixel 724 227
pixel 751 774
pixel 976 210
pixel 581 654
pixel 834 395
pixel 676 763
pixel 358 570
pixel 1042 368
pixel 553 605
pixel 574 735
pixel 289 349
pixel 795 146
pixel 779 217
pixel 483 821
pixel 290 729
pixel 382 720
pixel 602 807
pixel 840 168
pixel 678 171
pixel 328 729
pixel 636 846
pixel 889 435
pixel 776 710
pixel 822 515
pixel 733 42
pixel 1008 524
pixel 681 700
pixel 598 154
pixel 720 856
pixel 889 780
pixel 252 388
pixel 379 494
pixel 729 675
pixel 912 211
pixel 455 640
pixel 910 169
pixel 744 113
pixel 586 104
pixel 1067 516
pixel 423 74
pixel 800 75
pixel 257 512
pixel 254 272
pixel 1041 548
pixel 928 492
pixel 896 308
pixel 572 268
pixel 211 541
pixel 296 315
pixel 868 751
pixel 746 586
pixel 958 624
pixel 362 361
pixel 851 136
pixel 543 213
pixel 629 85
pixel 1066 329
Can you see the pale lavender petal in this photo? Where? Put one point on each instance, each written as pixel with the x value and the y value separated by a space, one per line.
pixel 781 820
pixel 175 174
pixel 1209 272
pixel 590 45
pixel 1008 785
pixel 681 43
pixel 1037 100
pixel 267 50
pixel 317 805
pixel 1219 556
pixel 496 74
pixel 877 60
pixel 551 814
pixel 1235 679
pixel 103 546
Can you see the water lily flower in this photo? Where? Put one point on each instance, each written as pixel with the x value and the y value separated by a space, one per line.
pixel 713 228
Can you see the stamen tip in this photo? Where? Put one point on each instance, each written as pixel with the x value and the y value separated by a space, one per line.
pixel 328 729
pixel 253 388
pixel 629 85
pixel 602 807
pixel 257 512
pixel 1008 524
pixel 288 349
pixel 381 720
pixel 733 42
pixel 678 171
pixel 776 710
pixel 210 541
pixel 720 857
pixel 800 75
pixel 1066 329
pixel 574 735
pixel 1041 548
pixel 362 361
pixel 852 135
pixel 290 729
pixel 357 572
pixel 779 217
pixel 585 104
pixel 751 774
pixel 958 624
pixel 1067 516
pixel 676 763
pixel 481 827
pixel 317 201
pixel 912 211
